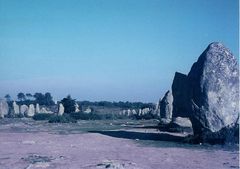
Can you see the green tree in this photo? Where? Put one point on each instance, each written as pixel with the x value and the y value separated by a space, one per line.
pixel 48 99
pixel 7 97
pixel 69 104
pixel 21 96
pixel 29 96
pixel 39 98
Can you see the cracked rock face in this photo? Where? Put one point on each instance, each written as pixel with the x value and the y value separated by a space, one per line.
pixel 213 90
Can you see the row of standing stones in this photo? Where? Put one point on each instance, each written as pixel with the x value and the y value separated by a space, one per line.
pixel 13 110
pixel 27 111
pixel 208 96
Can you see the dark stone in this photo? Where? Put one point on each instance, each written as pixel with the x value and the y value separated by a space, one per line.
pixel 180 92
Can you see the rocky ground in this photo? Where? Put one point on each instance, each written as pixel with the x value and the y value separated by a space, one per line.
pixel 25 144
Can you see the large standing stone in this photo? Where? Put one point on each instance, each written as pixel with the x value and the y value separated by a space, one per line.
pixel 16 109
pixel 214 90
pixel 60 109
pixel 166 106
pixel 31 111
pixel 3 108
pixel 180 92
pixel 23 109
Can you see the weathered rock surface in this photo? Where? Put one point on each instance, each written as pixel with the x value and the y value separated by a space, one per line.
pixel 31 111
pixel 16 109
pixel 209 94
pixel 166 106
pixel 214 90
pixel 60 109
pixel 23 109
pixel 3 108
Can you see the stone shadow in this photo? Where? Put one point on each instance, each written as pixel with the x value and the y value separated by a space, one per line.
pixel 141 136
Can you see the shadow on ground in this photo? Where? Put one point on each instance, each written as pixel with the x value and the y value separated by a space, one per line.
pixel 141 136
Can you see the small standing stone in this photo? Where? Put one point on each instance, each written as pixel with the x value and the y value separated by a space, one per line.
pixel 3 108
pixel 60 109
pixel 23 109
pixel 16 109
pixel 166 106
pixel 31 110
pixel 37 108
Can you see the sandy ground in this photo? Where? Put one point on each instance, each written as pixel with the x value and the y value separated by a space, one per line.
pixel 35 150
pixel 91 150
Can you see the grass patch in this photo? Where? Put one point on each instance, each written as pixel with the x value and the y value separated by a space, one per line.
pixel 42 116
pixel 62 119
pixel 86 116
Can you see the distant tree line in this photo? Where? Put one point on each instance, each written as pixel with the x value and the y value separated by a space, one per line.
pixel 124 105
pixel 28 98
pixel 69 103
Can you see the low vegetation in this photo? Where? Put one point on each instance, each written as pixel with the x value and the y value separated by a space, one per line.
pixel 62 119
pixel 42 116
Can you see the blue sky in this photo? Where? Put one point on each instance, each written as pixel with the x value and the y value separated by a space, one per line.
pixel 107 49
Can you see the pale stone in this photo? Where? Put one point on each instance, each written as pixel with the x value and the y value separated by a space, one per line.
pixel 77 108
pixel 37 108
pixel 60 109
pixel 134 112
pixel 3 108
pixel 128 112
pixel 140 112
pixel 145 111
pixel 16 109
pixel 88 110
pixel 44 110
pixel 31 111
pixel 23 109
